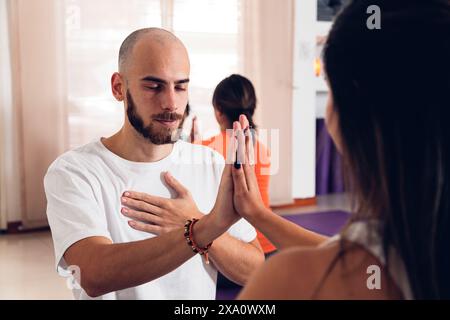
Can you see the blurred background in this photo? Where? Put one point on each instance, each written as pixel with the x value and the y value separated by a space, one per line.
pixel 56 60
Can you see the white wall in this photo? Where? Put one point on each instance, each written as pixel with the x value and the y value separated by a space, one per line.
pixel 304 101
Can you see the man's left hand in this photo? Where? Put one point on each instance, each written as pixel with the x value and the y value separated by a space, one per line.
pixel 159 215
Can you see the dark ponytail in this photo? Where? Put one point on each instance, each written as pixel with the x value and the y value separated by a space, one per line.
pixel 234 96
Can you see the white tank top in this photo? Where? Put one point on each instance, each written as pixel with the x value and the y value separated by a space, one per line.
pixel 358 233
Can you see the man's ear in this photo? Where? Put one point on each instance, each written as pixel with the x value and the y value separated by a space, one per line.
pixel 118 86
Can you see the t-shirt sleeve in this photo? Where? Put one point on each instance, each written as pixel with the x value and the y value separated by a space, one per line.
pixel 243 231
pixel 72 210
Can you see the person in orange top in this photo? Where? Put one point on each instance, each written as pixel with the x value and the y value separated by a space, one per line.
pixel 232 97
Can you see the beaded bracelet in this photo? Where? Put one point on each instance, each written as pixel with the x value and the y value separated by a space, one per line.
pixel 189 236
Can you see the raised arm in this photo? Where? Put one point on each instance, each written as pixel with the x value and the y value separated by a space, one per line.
pixel 248 203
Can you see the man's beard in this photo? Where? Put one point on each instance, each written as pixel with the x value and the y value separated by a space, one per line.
pixel 151 132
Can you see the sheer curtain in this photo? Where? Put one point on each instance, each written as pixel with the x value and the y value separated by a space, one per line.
pixel 37 106
pixel 5 115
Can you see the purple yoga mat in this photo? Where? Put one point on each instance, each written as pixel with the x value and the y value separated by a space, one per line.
pixel 327 223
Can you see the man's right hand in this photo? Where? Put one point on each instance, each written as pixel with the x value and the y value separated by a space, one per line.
pixel 224 215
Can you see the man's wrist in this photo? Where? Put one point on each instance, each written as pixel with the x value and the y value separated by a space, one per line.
pixel 198 215
pixel 209 228
pixel 217 221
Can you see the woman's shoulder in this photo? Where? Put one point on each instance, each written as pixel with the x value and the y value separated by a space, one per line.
pixel 326 272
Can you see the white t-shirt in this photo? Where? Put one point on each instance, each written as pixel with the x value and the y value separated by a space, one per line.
pixel 84 187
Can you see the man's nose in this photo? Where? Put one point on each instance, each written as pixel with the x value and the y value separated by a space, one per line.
pixel 168 102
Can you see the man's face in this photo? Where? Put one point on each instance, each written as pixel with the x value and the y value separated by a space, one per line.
pixel 157 90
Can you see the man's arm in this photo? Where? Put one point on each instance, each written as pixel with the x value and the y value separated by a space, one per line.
pixel 236 259
pixel 248 203
pixel 107 267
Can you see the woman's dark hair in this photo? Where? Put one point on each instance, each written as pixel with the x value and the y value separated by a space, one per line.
pixel 391 90
pixel 234 96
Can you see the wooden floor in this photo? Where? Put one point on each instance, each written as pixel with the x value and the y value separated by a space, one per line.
pixel 330 202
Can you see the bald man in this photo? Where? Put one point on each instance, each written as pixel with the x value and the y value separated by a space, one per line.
pixel 99 195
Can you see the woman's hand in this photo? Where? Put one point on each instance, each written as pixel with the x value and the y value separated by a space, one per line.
pixel 247 198
pixel 159 215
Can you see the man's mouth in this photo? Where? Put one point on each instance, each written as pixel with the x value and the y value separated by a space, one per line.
pixel 168 123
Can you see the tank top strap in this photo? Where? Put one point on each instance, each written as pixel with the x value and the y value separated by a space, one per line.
pixel 367 237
